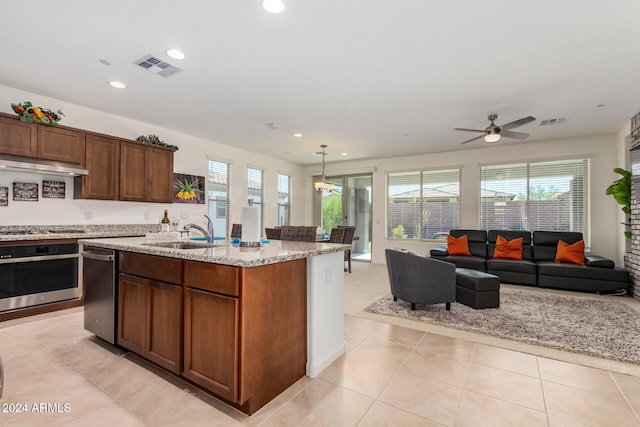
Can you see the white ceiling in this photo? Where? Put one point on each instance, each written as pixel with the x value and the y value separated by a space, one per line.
pixel 356 75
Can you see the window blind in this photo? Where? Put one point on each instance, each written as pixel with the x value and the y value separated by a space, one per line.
pixel 423 205
pixel 255 188
pixel 218 195
pixel 284 190
pixel 551 196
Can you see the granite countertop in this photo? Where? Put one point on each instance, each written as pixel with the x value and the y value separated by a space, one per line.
pixel 50 232
pixel 227 254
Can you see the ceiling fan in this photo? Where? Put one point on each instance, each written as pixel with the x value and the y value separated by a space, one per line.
pixel 493 132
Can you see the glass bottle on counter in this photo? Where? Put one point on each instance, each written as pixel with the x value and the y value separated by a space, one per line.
pixel 165 223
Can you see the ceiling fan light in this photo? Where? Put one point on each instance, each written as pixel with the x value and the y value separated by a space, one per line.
pixel 492 138
pixel 273 6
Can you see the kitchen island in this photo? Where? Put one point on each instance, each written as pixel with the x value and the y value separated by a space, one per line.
pixel 243 323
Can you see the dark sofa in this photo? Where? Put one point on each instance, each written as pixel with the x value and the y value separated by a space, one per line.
pixel 538 266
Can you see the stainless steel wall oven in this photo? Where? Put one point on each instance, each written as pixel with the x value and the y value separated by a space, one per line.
pixel 35 274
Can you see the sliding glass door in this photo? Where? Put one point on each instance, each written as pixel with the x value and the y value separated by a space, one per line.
pixel 348 204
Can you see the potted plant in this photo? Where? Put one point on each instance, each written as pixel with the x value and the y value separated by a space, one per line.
pixel 621 192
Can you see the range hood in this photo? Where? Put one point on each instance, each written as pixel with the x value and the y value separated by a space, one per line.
pixel 46 167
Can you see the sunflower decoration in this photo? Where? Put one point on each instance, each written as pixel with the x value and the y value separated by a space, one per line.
pixel 187 190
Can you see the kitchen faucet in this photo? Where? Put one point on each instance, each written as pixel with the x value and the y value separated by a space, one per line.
pixel 208 233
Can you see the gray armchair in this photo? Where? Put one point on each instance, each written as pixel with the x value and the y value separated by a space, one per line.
pixel 420 280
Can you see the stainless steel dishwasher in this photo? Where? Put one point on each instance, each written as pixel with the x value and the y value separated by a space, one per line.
pixel 100 279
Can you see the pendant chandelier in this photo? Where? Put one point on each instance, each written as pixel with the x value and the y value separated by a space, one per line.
pixel 323 184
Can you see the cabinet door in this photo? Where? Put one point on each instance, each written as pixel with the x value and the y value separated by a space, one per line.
pixel 133 175
pixel 102 159
pixel 59 144
pixel 164 333
pixel 18 138
pixel 160 167
pixel 211 342
pixel 132 313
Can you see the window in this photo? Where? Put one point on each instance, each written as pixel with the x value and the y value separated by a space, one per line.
pixel 284 191
pixel 550 196
pixel 256 184
pixel 422 205
pixel 218 191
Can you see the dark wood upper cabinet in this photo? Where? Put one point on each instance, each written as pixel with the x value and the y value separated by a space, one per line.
pixel 133 173
pixel 119 169
pixel 61 144
pixel 146 173
pixel 102 159
pixel 18 138
pixel 160 175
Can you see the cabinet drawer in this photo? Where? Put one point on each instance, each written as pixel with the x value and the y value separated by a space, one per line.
pixel 153 267
pixel 218 278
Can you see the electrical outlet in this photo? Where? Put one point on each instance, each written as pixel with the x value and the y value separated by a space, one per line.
pixel 146 214
pixel 87 215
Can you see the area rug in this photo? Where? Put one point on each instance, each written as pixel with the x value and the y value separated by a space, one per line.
pixel 578 324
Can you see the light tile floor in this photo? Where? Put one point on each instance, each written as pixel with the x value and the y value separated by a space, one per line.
pixel 392 375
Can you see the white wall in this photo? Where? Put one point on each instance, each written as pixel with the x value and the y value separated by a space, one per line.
pixel 602 150
pixel 191 158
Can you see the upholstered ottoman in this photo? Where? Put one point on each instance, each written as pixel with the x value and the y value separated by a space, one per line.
pixel 477 289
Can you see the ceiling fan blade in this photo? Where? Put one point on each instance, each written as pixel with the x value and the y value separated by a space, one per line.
pixel 516 123
pixel 469 130
pixel 472 139
pixel 516 135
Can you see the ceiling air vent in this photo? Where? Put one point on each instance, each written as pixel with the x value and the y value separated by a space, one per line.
pixel 551 122
pixel 157 66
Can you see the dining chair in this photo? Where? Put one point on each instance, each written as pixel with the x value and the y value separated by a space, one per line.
pixel 337 235
pixel 273 233
pixel 300 233
pixel 347 239
pixel 236 231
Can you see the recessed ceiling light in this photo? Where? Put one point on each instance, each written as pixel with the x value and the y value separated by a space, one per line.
pixel 344 154
pixel 175 54
pixel 297 135
pixel 273 6
pixel 118 85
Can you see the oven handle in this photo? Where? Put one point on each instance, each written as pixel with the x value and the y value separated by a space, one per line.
pixel 37 258
pixel 98 257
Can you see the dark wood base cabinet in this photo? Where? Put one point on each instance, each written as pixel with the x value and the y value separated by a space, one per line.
pixel 211 342
pixel 150 310
pixel 243 332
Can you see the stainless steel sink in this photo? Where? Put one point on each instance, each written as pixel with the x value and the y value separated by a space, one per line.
pixel 184 245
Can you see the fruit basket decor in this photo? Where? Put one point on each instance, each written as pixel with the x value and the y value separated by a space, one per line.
pixel 29 113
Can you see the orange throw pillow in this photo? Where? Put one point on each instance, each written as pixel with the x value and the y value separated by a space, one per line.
pixel 508 249
pixel 458 245
pixel 570 253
